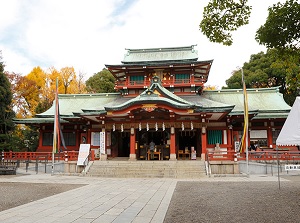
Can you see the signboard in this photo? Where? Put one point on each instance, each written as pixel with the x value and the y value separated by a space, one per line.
pixel 292 167
pixel 102 143
pixel 84 151
pixel 236 146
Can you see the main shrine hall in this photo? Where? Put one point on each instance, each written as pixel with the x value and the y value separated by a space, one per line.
pixel 160 97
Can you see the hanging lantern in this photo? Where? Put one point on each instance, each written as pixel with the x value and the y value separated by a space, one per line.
pixel 122 128
pixel 192 126
pixel 147 127
pixel 140 126
pixel 182 126
pixel 156 126
pixel 114 127
pixel 163 126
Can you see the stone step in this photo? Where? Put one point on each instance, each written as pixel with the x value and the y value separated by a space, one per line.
pixel 148 169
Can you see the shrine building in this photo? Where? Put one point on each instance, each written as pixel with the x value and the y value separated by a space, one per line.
pixel 160 97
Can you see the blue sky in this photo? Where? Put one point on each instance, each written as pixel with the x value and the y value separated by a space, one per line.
pixel 89 34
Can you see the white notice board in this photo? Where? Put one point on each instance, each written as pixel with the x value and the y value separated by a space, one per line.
pixel 84 151
pixel 236 146
pixel 102 142
pixel 292 167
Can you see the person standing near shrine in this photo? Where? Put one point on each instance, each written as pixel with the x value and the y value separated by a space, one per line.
pixel 152 147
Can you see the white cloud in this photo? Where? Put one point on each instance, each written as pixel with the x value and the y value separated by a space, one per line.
pixel 89 34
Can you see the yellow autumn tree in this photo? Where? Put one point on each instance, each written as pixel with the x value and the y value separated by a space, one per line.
pixel 35 92
pixel 210 88
pixel 26 91
pixel 68 82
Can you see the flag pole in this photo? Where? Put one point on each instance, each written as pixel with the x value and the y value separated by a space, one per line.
pixel 246 121
pixel 55 127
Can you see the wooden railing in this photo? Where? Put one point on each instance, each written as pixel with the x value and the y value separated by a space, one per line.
pixel 147 82
pixel 70 155
pixel 255 156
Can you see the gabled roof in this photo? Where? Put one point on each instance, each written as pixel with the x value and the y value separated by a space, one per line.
pixel 203 104
pixel 172 58
pixel 37 121
pixel 70 104
pixel 156 93
pixel 261 101
pixel 137 56
pixel 200 67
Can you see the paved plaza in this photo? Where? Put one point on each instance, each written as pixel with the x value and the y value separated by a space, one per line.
pixel 103 199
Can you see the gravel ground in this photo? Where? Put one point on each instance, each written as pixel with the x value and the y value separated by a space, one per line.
pixel 235 202
pixel 195 201
pixel 15 194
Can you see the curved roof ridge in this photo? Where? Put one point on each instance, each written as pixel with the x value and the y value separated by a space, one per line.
pixel 150 95
pixel 248 90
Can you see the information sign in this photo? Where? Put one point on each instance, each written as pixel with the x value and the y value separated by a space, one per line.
pixel 292 167
pixel 84 151
pixel 102 143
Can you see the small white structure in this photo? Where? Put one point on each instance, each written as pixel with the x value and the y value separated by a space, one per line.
pixel 290 132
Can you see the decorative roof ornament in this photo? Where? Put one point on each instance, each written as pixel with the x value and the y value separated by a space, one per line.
pixel 149 107
pixel 155 79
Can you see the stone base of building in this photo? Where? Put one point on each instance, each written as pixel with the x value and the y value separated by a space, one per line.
pixel 132 157
pixel 202 156
pixel 103 157
pixel 172 157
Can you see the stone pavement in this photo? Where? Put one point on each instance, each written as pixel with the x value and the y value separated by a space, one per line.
pixel 103 199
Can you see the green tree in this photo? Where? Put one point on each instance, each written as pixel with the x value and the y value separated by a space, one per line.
pixel 281 31
pixel 268 70
pixel 282 27
pixel 221 18
pixel 289 64
pixel 101 82
pixel 6 112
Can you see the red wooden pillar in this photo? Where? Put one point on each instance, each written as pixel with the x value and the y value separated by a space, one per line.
pixel 229 139
pixel 192 77
pixel 204 142
pixel 132 155
pixel 172 146
pixel 88 140
pixel 270 137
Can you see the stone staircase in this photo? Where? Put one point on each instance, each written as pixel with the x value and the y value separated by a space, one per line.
pixel 193 169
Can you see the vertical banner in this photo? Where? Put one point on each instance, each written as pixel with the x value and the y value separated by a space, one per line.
pixel 56 132
pixel 102 143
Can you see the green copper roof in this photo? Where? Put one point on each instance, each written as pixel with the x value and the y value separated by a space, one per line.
pixel 204 104
pixel 36 120
pixel 266 115
pixel 263 103
pixel 187 53
pixel 150 96
pixel 77 103
pixel 260 100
